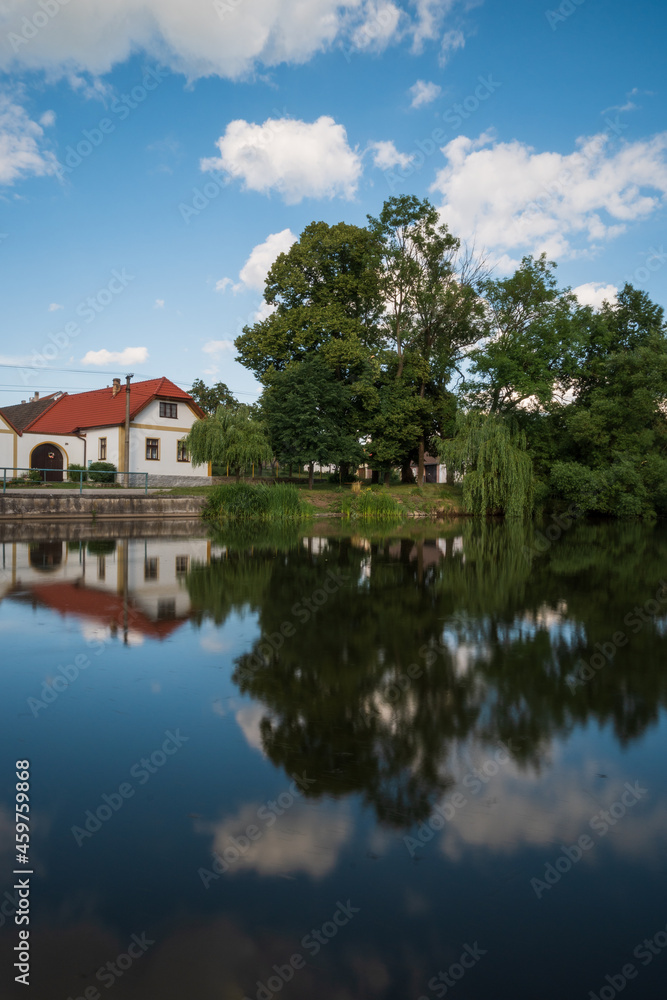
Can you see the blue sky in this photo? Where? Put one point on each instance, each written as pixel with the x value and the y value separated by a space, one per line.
pixel 156 155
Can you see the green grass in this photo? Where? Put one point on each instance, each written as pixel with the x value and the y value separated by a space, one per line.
pixel 431 499
pixel 371 505
pixel 245 501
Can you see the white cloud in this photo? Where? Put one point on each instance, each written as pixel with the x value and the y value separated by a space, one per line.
pixel 21 152
pixel 128 356
pixel 217 347
pixel 379 27
pixel 507 196
pixel 296 158
pixel 451 42
pixel 594 293
pixel 55 306
pixel 312 845
pixel 47 119
pixel 430 15
pixel 222 284
pixel 423 93
pixel 386 156
pixel 225 38
pixel 254 271
pixel 159 304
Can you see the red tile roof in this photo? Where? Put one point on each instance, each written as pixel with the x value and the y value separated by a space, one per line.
pixel 102 607
pixel 102 409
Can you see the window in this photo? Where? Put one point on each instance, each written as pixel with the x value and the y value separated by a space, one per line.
pixel 182 563
pixel 169 410
pixel 153 449
pixel 166 610
pixel 102 449
pixel 151 568
pixel 182 452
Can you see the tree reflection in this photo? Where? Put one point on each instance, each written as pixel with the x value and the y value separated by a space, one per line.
pixel 495 636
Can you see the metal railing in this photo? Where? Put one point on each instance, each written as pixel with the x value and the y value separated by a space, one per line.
pixel 106 477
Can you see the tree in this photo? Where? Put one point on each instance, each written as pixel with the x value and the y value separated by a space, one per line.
pixel 326 298
pixel 492 457
pixel 532 350
pixel 307 416
pixel 210 398
pixel 233 437
pixel 433 311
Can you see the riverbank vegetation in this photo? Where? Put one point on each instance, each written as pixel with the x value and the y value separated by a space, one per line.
pixel 246 501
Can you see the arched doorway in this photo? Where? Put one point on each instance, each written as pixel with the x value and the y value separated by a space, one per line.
pixel 48 456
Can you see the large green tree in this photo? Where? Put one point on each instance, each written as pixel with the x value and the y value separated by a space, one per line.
pixel 307 414
pixel 433 312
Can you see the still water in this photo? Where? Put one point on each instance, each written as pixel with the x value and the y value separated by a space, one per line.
pixel 385 763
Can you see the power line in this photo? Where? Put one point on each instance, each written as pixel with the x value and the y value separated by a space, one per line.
pixel 87 371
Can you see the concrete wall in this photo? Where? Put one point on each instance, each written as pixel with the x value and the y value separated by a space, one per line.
pixel 113 506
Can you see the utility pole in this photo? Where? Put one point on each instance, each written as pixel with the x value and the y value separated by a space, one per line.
pixel 127 428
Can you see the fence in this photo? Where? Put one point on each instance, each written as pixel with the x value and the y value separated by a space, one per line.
pixel 98 477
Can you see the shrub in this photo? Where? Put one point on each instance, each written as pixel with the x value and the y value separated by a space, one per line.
pixel 102 472
pixel 240 501
pixel 74 473
pixel 371 505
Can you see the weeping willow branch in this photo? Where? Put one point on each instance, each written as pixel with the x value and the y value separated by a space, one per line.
pixel 497 471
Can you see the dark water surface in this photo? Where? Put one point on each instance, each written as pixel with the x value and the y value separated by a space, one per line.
pixel 339 765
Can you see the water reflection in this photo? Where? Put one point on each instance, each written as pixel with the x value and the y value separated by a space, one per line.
pixel 383 669
pixel 130 588
pixel 434 641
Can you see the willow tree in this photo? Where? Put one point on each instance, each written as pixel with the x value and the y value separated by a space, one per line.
pixel 490 453
pixel 236 438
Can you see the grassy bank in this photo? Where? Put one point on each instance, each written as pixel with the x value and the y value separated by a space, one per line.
pixel 250 502
pixel 430 500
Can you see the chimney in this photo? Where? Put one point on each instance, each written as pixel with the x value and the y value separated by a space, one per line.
pixel 116 387
pixel 35 398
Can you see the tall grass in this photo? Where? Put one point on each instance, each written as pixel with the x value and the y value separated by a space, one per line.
pixel 370 505
pixel 242 501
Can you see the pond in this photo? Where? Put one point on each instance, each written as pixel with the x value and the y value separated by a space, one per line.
pixel 401 762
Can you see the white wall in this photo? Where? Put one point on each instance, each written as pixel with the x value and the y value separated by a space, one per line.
pixel 70 446
pixel 7 436
pixel 168 431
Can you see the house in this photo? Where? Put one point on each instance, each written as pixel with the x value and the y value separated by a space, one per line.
pixel 66 429
pixel 129 589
